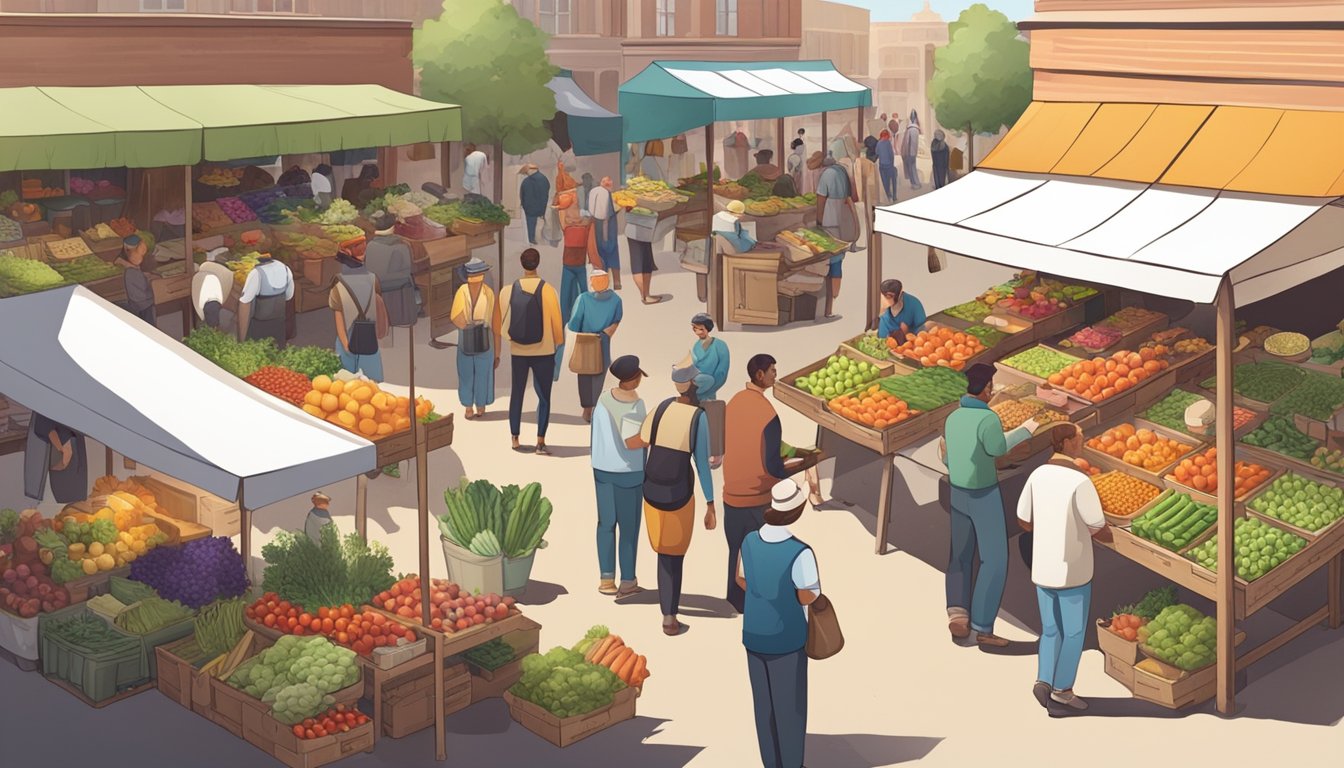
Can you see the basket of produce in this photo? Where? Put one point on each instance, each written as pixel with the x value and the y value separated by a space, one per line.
pixel 1152 450
pixel 938 346
pixel 498 528
pixel 1305 504
pixel 564 698
pixel 1200 473
pixel 1123 496
pixel 1118 636
pixel 809 389
pixel 1292 347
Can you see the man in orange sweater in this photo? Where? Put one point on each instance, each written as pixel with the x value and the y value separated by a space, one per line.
pixel 752 463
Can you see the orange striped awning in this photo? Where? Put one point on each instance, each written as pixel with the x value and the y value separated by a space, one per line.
pixel 1243 149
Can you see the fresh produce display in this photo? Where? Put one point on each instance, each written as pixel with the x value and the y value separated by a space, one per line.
pixel 1122 495
pixel 10 230
pixel 1126 625
pixel 840 374
pixel 341 211
pixel 1170 410
pixel 971 311
pixel 33 190
pixel 1280 435
pixel 7 198
pixel 731 190
pixel 1264 381
pixel 112 537
pixel 259 199
pixel 27 587
pixel 1103 378
pixel 106 605
pixel 1201 473
pixel 281 382
pixel 380 202
pixel 129 592
pixel 562 683
pixel 871 346
pixel 361 407
pixel 1317 397
pixel 236 210
pixel 1085 466
pixel 1181 636
pixel 296 675
pixel 86 269
pixel 1041 362
pixel 340 233
pixel 195 574
pixel 1034 304
pixel 1175 521
pixel 1153 603
pixel 20 275
pixel 333 572
pixel 482 210
pixel 336 720
pixel 241 358
pixel 1301 502
pixel 1140 447
pixel 873 407
pixel 1325 350
pixel 90 633
pixel 989 337
pixel 491 655
pixel 1096 337
pixel 1193 346
pixel 1331 460
pixel 307 246
pixel 938 346
pixel 310 361
pixel 1260 548
pixel 221 177
pixel 601 647
pixel 361 630
pixel 813 240
pixel 451 609
pixel 151 614
pixel 208 216
pixel 242 266
pixel 1014 412
pixel 928 388
pixel 444 214
pixel 102 189
pixel 1130 319
pixel 219 626
pixel 1287 344
pixel 124 227
pixel 515 517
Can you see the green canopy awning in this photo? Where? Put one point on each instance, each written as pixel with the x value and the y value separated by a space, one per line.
pixel 670 97
pixel 155 126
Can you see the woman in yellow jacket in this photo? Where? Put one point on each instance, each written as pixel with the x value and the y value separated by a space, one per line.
pixel 475 312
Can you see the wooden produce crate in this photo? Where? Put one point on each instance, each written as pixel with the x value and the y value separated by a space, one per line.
pixel 523 642
pixel 454 643
pixel 1176 688
pixel 1129 337
pixel 186 502
pixel 1118 520
pixel 1157 477
pixel 235 711
pixel 563 732
pixel 97 678
pixel 850 350
pixel 464 227
pixel 408 706
pixel 1120 654
pixel 1013 375
pixel 180 678
pixel 278 740
pixel 809 404
pixel 170 289
pixel 400 446
pixel 913 362
pixel 1274 471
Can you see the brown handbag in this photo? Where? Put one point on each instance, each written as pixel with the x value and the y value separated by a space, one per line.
pixel 824 638
pixel 587 357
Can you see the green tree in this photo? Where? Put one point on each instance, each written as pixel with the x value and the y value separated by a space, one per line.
pixel 982 77
pixel 481 55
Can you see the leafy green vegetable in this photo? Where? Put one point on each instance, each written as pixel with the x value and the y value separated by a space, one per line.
pixel 562 683
pixel 26 275
pixel 241 358
pixel 9 522
pixel 480 208
pixel 328 574
pixel 310 361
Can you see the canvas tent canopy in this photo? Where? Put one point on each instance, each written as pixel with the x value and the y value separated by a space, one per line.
pixel 1165 199
pixel 672 97
pixel 581 123
pixel 58 128
pixel 110 376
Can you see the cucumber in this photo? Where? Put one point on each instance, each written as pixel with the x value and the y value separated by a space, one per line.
pixel 1173 513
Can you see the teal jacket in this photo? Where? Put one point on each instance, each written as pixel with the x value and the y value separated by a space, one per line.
pixel 975 438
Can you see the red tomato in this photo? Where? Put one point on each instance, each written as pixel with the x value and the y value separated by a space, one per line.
pixel 298 731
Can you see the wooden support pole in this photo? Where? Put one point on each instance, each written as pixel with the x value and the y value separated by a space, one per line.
pixel 440 730
pixel 782 151
pixel 825 137
pixel 362 505
pixel 499 275
pixel 446 164
pixel 715 307
pixel 107 460
pixel 874 269
pixel 245 534
pixel 1335 585
pixel 188 308
pixel 1283 638
pixel 1226 582
pixel 884 503
pixel 421 437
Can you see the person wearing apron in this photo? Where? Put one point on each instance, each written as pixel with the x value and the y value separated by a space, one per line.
pixel 261 308
pixel 605 243
pixel 210 288
pixel 710 357
pixel 388 258
pixel 597 312
pixel 55 448
pixel 475 312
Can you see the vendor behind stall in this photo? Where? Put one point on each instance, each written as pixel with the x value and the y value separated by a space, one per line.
pixel 321 185
pixel 69 465
pixel 318 518
pixel 901 312
pixel 767 171
pixel 210 287
pixel 728 224
pixel 139 293
pixel 261 308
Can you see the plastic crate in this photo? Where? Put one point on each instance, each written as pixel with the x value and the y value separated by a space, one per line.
pixel 100 674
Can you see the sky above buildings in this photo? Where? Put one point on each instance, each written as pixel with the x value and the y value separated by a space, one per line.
pixel 902 10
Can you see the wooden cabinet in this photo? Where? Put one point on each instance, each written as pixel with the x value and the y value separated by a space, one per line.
pixel 751 294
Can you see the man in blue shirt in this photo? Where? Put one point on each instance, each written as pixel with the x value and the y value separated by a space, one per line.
pixel 534 195
pixel 901 312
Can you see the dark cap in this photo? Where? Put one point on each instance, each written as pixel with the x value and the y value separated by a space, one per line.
pixel 626 367
pixel 978 377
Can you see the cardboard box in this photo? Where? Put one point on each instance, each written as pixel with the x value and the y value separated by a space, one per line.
pixel 563 732
pixel 1194 688
pixel 1121 654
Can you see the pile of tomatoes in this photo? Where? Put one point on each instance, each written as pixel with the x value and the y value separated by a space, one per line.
pixel 281 382
pixel 359 630
pixel 338 719
pixel 450 608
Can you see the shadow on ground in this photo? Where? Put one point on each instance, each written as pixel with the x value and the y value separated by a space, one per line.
pixel 866 750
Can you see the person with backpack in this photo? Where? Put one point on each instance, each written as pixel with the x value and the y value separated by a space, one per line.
pixel 676 434
pixel 531 318
pixel 475 312
pixel 356 303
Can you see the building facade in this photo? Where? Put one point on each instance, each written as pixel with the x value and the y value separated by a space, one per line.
pixel 410 10
pixel 839 33
pixel 901 64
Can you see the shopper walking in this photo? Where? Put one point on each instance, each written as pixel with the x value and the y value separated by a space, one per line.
pixel 886 165
pixel 474 162
pixel 639 239
pixel 910 151
pixel 596 313
pixel 603 238
pixel 836 196
pixel 356 303
pixel 1060 507
pixel 779 577
pixel 973 438
pixel 677 437
pixel 388 258
pixel 534 194
pixel 710 358
pixel 618 472
pixel 794 165
pixel 941 159
pixel 752 464
pixel 530 315
pixel 476 314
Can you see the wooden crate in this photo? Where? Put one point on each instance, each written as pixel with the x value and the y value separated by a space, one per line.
pixel 1137 334
pixel 851 351
pixel 180 680
pixel 400 446
pixel 184 501
pixel 807 403
pixel 455 643
pixel 408 706
pixel 1121 654
pixel 563 732
pixel 278 740
pixel 1156 477
pixel 170 289
pixel 231 708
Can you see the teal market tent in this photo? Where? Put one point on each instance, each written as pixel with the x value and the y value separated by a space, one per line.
pixel 672 97
pixel 581 122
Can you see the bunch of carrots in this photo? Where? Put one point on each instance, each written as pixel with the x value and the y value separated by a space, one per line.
pixel 614 654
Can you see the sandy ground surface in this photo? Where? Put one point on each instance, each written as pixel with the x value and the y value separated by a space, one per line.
pixel 900 692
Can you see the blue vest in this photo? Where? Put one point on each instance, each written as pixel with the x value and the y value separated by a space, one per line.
pixel 773 621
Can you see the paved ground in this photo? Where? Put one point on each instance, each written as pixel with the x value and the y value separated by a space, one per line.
pixel 899 693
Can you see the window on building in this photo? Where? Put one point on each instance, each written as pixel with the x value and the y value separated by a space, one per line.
pixel 889 59
pixel 282 6
pixel 726 23
pixel 554 17
pixel 666 13
pixel 159 6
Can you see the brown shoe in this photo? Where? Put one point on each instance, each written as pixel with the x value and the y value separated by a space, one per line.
pixel 960 627
pixel 991 640
pixel 628 589
pixel 671 627
pixel 607 586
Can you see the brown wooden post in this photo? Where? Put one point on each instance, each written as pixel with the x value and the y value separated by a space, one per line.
pixel 825 137
pixel 362 505
pixel 1226 577
pixel 245 534
pixel 440 730
pixel 445 164
pixel 499 275
pixel 421 438
pixel 189 308
pixel 715 307
pixel 874 302
pixel 782 149
pixel 107 460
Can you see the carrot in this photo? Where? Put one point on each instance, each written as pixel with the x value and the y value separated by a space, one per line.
pixel 620 658
pixel 626 670
pixel 597 651
pixel 611 654
pixel 639 672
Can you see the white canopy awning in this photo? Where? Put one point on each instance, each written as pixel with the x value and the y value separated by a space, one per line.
pixel 1167 240
pixel 79 360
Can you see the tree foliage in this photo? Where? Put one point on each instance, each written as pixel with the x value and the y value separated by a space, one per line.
pixel 481 55
pixel 982 77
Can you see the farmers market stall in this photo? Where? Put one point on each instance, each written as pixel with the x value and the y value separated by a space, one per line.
pixel 1211 216
pixel 671 97
pixel 580 123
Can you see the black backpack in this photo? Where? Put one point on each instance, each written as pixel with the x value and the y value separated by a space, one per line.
pixel 668 482
pixel 526 324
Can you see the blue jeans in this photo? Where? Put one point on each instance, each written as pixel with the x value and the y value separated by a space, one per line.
pixel 1063 629
pixel 572 282
pixel 779 697
pixel 370 365
pixel 539 367
pixel 475 378
pixel 888 174
pixel 532 222
pixel 620 505
pixel 977 523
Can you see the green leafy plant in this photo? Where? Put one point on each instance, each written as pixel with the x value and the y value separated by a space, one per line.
pixel 982 77
pixel 330 573
pixel 489 520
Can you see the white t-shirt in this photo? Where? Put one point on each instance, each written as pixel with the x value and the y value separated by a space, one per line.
pixel 471 171
pixel 320 184
pixel 804 573
pixel 1063 507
